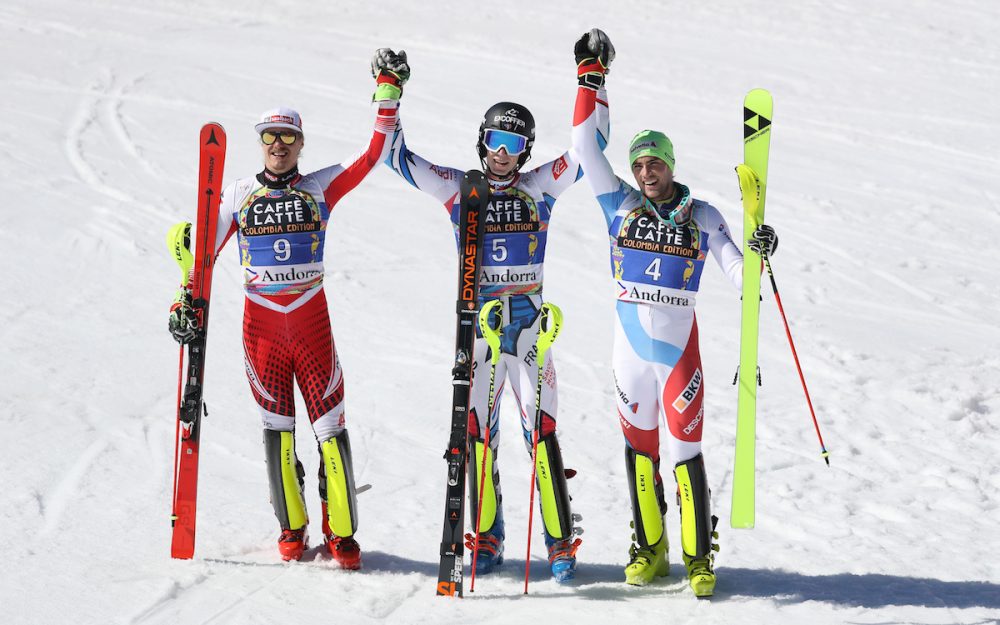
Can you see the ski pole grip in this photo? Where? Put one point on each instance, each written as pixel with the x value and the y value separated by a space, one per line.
pixel 179 242
pixel 750 191
pixel 491 334
pixel 549 328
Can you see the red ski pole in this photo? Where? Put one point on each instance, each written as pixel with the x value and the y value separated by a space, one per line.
pixel 177 434
pixel 548 329
pixel 795 355
pixel 492 336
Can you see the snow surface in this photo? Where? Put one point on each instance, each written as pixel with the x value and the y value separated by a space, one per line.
pixel 882 188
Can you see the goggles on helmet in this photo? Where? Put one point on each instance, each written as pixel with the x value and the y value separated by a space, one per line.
pixel 512 142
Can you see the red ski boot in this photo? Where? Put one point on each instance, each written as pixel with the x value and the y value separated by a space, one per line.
pixel 345 551
pixel 292 543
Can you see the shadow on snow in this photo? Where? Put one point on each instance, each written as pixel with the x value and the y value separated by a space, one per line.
pixel 605 582
pixel 869 591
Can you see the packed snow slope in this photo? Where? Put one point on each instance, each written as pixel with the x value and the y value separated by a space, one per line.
pixel 882 189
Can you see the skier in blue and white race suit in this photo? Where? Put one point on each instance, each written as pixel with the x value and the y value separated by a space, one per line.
pixel 660 237
pixel 516 226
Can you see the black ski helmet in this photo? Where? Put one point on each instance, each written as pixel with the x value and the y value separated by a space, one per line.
pixel 511 117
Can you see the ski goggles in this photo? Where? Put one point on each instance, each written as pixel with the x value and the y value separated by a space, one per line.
pixel 268 137
pixel 512 142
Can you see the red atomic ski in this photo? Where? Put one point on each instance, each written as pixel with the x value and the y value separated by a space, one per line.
pixel 190 408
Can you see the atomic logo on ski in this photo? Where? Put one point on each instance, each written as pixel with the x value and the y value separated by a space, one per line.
pixel 753 123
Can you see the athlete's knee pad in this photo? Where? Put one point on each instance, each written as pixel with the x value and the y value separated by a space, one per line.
pixel 693 499
pixel 553 494
pixel 490 486
pixel 646 492
pixel 285 477
pixel 336 486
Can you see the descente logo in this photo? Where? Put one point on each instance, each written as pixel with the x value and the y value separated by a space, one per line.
pixel 694 423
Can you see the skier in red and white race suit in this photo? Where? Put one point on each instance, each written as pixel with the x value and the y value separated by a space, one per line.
pixel 516 223
pixel 660 238
pixel 279 217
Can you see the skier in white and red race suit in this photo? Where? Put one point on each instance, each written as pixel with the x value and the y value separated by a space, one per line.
pixel 660 238
pixel 516 224
pixel 279 217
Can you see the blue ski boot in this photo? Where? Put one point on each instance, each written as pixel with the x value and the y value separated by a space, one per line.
pixel 562 557
pixel 490 554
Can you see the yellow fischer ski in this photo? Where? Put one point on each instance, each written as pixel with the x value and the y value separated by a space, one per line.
pixel 757 109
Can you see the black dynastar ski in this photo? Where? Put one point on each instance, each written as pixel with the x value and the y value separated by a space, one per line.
pixel 475 194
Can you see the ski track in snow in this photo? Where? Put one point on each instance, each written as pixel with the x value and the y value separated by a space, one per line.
pixel 100 112
pixel 66 491
pixel 87 115
pixel 113 113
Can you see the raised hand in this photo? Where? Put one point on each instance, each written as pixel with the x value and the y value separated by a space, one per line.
pixel 594 53
pixel 595 45
pixel 391 71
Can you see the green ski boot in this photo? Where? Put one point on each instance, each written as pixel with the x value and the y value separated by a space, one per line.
pixel 700 575
pixel 647 563
pixel 648 553
pixel 698 533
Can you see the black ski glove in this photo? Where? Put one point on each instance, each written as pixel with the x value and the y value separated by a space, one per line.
pixel 593 53
pixel 763 241
pixel 183 322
